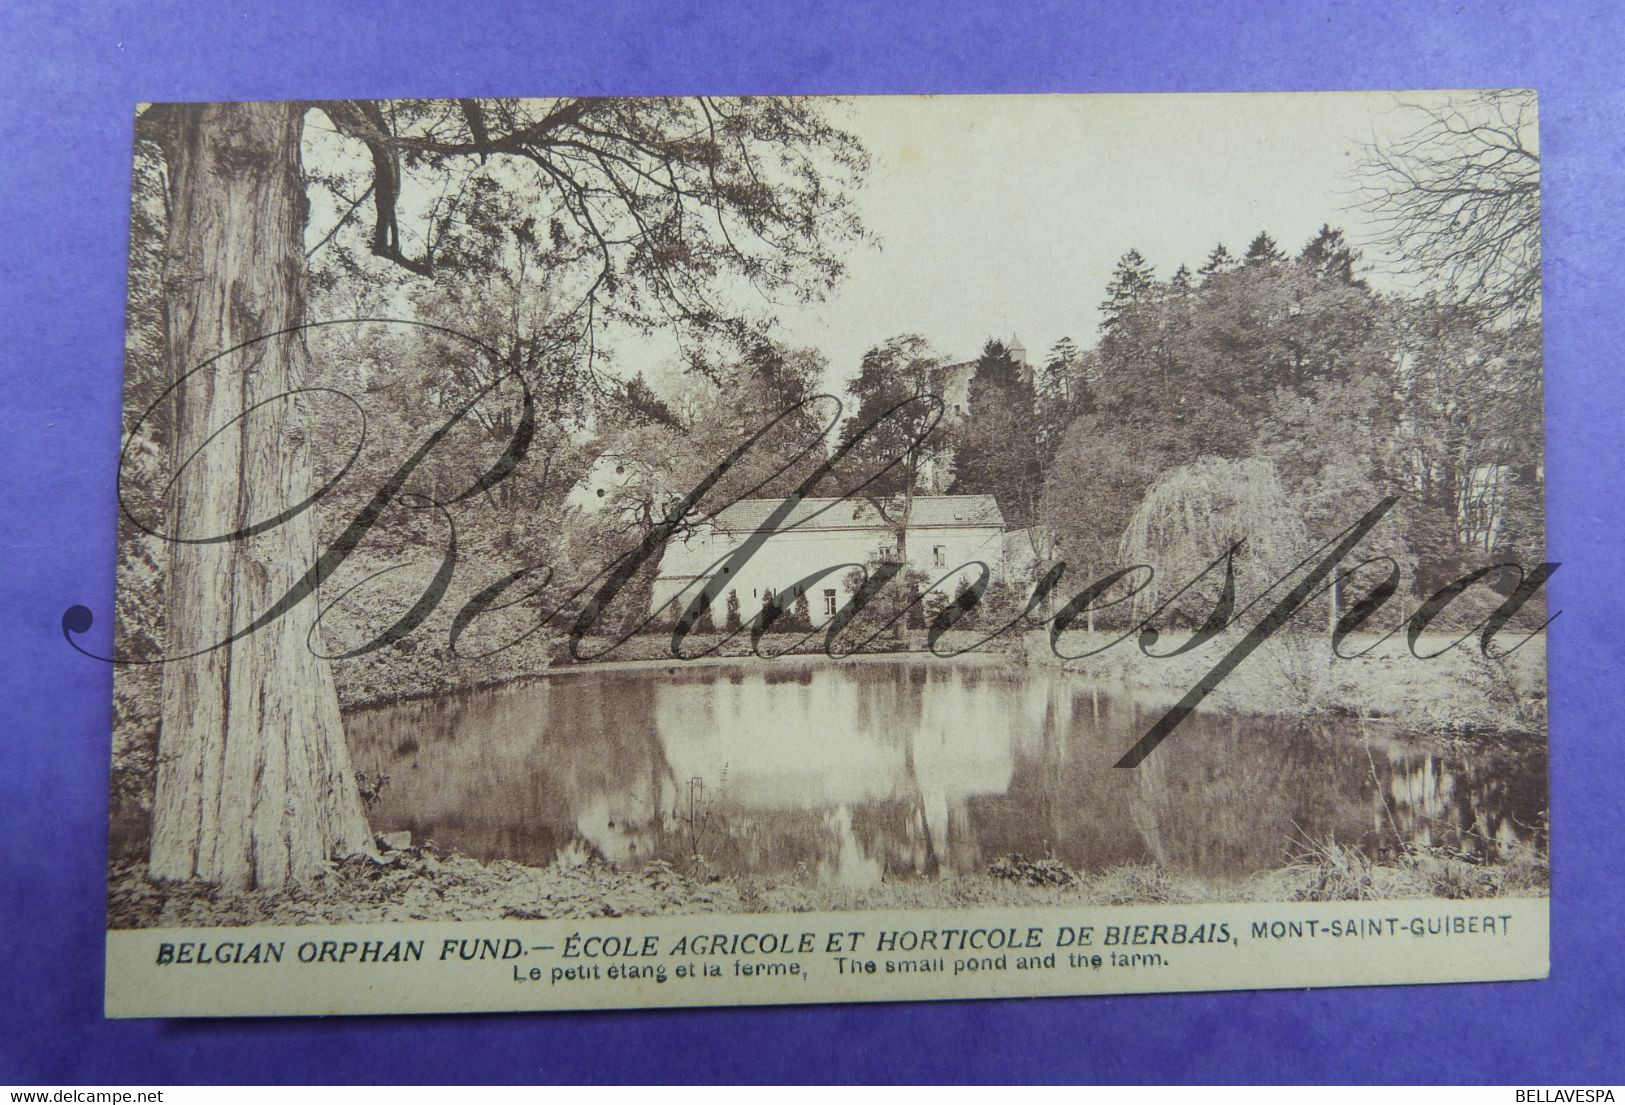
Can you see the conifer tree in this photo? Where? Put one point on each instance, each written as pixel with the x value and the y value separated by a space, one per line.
pixel 1262 250
pixel 1132 283
pixel 1329 256
pixel 996 447
pixel 1059 393
pixel 1058 382
pixel 1218 261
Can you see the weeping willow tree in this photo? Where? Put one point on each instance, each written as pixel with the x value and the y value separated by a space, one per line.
pixel 1191 514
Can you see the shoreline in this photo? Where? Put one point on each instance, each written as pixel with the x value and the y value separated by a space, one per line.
pixel 420 687
pixel 1455 696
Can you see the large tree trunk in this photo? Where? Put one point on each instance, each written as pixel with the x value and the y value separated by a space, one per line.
pixel 255 787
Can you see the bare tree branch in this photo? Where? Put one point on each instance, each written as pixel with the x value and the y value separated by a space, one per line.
pixel 1458 201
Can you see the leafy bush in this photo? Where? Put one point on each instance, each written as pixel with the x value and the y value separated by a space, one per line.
pixel 1032 872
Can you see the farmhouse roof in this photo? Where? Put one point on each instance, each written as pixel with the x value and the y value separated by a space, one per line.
pixel 814 514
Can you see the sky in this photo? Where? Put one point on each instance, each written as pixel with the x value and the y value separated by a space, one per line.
pixel 1004 215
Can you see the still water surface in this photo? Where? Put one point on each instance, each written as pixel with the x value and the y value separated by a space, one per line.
pixel 847 773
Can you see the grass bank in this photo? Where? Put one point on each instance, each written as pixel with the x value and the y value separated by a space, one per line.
pixel 425 884
pixel 1459 692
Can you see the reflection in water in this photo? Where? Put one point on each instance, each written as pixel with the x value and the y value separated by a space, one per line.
pixel 848 773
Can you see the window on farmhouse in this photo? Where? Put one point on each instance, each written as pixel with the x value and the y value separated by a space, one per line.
pixel 885 552
pixel 939 556
pixel 829 602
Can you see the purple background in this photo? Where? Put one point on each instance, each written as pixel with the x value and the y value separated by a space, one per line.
pixel 70 79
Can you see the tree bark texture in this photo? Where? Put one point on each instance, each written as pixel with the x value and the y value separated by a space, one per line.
pixel 255 786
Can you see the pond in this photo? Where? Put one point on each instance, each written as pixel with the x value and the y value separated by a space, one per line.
pixel 851 772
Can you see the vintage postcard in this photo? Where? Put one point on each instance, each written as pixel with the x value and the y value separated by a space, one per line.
pixel 621 552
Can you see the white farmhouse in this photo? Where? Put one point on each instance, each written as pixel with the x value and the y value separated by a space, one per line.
pixel 949 537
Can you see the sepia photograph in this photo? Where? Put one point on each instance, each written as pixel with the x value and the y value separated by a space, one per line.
pixel 588 509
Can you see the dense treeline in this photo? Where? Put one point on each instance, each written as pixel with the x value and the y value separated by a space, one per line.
pixel 1286 373
pixel 1268 400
